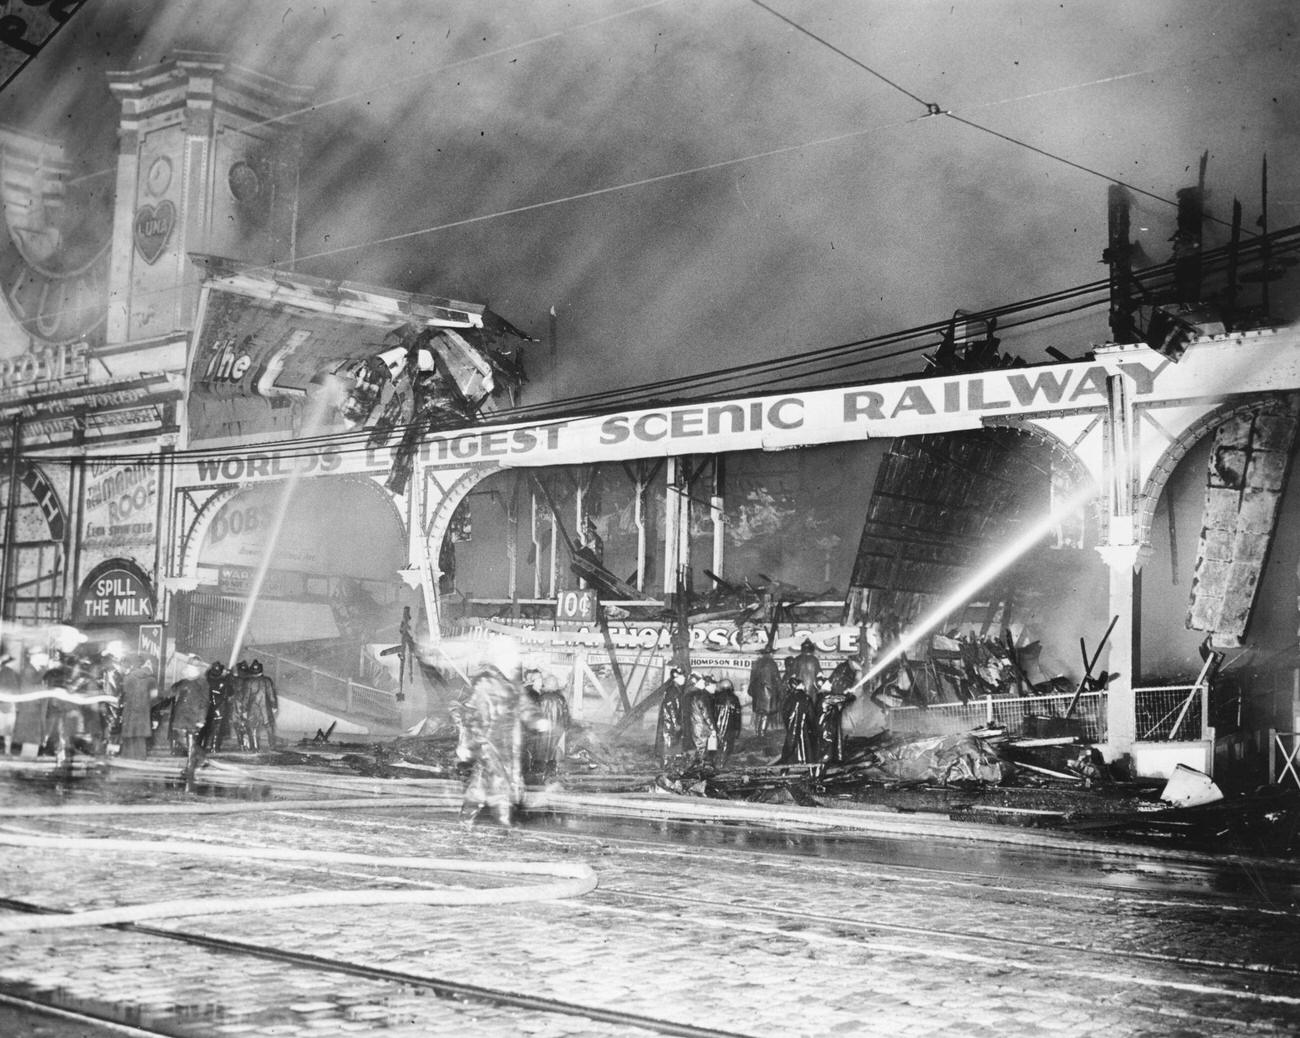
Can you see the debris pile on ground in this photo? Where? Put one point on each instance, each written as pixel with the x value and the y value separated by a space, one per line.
pixel 979 775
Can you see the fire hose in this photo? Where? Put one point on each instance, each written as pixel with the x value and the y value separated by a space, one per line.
pixel 569 879
pixel 55 693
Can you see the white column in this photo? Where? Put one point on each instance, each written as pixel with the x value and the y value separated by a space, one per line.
pixel 1123 561
pixel 555 554
pixel 537 546
pixel 1123 556
pixel 716 513
pixel 638 517
pixel 578 504
pixel 672 516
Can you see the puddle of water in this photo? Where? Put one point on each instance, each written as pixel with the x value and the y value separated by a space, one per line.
pixel 52 786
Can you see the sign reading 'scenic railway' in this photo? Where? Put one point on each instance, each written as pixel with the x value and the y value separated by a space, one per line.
pixel 776 422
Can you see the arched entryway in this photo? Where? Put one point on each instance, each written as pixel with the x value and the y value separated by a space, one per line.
pixel 309 569
pixel 34 525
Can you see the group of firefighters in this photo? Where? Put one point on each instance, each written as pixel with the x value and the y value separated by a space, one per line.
pixel 207 708
pixel 508 735
pixel 700 720
pixel 65 703
pixel 512 734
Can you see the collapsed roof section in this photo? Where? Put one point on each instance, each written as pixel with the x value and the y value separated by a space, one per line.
pixel 941 506
pixel 276 354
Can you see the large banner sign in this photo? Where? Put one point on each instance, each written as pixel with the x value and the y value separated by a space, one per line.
pixel 902 408
pixel 756 423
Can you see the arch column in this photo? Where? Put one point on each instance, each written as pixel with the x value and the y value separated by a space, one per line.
pixel 436 494
pixel 1124 563
pixel 1124 555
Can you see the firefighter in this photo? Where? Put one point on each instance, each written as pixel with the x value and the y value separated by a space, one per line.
pixel 65 725
pixel 830 707
pixel 699 725
pixel 220 687
pixel 765 691
pixel 668 732
pixel 261 706
pixel 552 727
pixel 807 666
pixel 800 736
pixel 139 689
pixel 238 706
pixel 530 700
pixel 488 719
pixel 110 675
pixel 9 686
pixel 726 709
pixel 191 706
pixel 31 715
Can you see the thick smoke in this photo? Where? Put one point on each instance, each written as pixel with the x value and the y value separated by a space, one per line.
pixel 899 223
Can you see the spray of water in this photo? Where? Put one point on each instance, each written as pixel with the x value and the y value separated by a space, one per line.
pixel 320 401
pixel 1025 540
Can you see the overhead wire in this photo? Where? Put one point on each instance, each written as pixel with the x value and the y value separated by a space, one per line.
pixel 931 109
pixel 934 109
pixel 844 54
pixel 1154 279
pixel 761 369
pixel 765 374
pixel 765 370
pixel 1068 162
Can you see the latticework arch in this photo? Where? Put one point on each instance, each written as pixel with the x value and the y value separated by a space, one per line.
pixel 1182 446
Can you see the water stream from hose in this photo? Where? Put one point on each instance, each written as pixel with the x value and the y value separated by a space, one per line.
pixel 320 400
pixel 1013 550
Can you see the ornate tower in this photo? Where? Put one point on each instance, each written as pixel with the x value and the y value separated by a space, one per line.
pixel 207 163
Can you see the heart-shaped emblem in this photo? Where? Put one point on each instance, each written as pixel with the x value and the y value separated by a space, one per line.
pixel 153 226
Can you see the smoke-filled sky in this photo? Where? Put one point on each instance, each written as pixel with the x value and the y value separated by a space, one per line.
pixel 825 206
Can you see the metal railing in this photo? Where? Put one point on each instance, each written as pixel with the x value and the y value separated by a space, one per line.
pixel 1283 748
pixel 1010 712
pixel 323 689
pixel 1171 713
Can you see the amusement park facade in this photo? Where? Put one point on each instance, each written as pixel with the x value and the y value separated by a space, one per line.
pixel 161 445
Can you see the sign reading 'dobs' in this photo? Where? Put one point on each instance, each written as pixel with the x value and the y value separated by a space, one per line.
pixel 116 591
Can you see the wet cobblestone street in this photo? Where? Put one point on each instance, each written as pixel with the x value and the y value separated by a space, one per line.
pixel 699 937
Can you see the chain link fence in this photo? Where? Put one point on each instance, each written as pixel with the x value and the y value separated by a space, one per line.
pixel 1019 715
pixel 1174 713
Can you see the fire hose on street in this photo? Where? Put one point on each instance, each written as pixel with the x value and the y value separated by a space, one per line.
pixel 568 879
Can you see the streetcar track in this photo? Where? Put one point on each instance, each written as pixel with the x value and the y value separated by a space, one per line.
pixel 983 880
pixel 443 988
pixel 501 998
pixel 1021 965
pixel 1097 892
pixel 932 932
pixel 32 1005
pixel 898 874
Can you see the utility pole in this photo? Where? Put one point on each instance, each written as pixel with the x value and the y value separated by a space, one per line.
pixel 11 513
pixel 553 338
